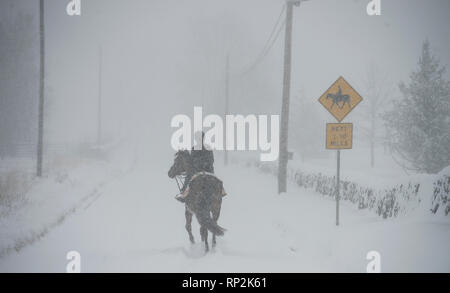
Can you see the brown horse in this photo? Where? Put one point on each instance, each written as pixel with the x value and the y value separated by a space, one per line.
pixel 204 198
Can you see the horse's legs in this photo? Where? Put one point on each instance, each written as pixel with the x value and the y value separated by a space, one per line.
pixel 188 215
pixel 216 215
pixel 204 235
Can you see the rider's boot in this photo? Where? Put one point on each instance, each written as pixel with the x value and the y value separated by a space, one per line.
pixel 180 199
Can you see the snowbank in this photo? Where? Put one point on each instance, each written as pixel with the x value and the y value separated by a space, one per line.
pixel 420 195
pixel 441 193
pixel 72 184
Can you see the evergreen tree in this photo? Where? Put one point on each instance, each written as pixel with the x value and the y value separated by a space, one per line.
pixel 419 123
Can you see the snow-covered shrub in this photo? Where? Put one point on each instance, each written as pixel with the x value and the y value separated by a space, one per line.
pixel 13 187
pixel 441 195
pixel 387 203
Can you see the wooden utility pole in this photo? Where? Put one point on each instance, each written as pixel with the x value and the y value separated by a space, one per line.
pixel 99 100
pixel 284 156
pixel 41 89
pixel 227 100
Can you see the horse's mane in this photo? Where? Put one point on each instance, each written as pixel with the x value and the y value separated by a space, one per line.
pixel 185 155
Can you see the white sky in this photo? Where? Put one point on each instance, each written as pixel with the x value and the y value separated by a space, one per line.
pixel 164 57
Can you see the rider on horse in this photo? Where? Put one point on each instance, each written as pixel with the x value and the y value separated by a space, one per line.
pixel 202 161
pixel 202 191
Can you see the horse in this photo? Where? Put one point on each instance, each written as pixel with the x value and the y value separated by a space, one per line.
pixel 339 97
pixel 204 198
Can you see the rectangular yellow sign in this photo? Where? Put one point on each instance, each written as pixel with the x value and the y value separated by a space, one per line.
pixel 339 136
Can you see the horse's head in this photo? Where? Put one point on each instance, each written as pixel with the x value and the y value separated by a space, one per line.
pixel 181 164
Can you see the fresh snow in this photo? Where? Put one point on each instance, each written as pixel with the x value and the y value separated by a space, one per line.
pixel 135 225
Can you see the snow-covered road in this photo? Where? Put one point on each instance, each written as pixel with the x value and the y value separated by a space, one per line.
pixel 135 225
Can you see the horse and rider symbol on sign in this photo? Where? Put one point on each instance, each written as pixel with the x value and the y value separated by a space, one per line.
pixel 339 97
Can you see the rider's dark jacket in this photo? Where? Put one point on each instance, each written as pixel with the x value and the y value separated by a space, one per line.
pixel 202 160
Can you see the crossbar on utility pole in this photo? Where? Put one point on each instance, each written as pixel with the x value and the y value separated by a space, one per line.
pixel 283 159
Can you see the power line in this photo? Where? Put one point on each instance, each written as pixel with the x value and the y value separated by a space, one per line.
pixel 274 28
pixel 275 39
pixel 269 43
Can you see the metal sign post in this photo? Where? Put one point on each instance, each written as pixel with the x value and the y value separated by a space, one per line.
pixel 339 136
pixel 338 185
pixel 339 100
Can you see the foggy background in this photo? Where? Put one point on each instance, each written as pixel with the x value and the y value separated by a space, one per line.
pixel 111 199
pixel 161 58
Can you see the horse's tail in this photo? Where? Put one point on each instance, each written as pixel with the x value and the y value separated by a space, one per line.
pixel 205 219
pixel 209 198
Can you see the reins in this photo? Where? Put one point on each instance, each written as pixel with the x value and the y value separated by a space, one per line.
pixel 177 180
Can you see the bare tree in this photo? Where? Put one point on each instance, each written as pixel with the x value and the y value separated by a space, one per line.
pixel 377 90
pixel 304 138
pixel 18 64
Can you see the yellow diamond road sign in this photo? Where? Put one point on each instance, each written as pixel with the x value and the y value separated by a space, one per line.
pixel 340 99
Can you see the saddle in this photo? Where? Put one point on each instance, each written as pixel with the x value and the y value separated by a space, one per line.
pixel 186 192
